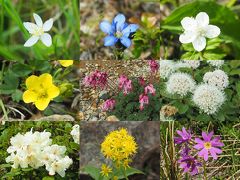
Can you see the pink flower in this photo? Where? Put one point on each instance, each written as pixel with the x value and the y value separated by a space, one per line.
pixel 141 81
pixel 154 66
pixel 143 99
pixel 189 164
pixel 149 89
pixel 185 136
pixel 208 145
pixel 96 79
pixel 125 84
pixel 108 105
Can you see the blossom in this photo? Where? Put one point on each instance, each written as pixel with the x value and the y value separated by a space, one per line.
pixel 150 89
pixel 141 81
pixel 216 63
pixel 66 63
pixel 118 30
pixel 208 145
pixel 167 67
pixel 105 170
pixel 196 30
pixel 108 105
pixel 180 84
pixel 185 136
pixel 189 164
pixel 40 90
pixel 194 64
pixel 143 99
pixel 208 98
pixel 76 133
pixel 217 78
pixel 38 31
pixel 96 79
pixel 125 84
pixel 154 65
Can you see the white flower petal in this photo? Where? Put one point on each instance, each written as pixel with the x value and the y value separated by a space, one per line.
pixel 31 41
pixel 212 31
pixel 199 43
pixel 48 25
pixel 188 23
pixel 46 39
pixel 202 19
pixel 38 20
pixel 187 37
pixel 30 26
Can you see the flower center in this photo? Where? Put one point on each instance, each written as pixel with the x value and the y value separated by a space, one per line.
pixel 38 31
pixel 201 32
pixel 43 95
pixel 118 34
pixel 207 145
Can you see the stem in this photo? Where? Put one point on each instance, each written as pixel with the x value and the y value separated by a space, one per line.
pixel 204 170
pixel 124 173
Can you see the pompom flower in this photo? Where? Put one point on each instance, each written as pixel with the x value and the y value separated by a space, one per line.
pixel 167 67
pixel 196 30
pixel 118 30
pixel 180 84
pixel 216 63
pixel 40 90
pixel 108 105
pixel 208 98
pixel 194 64
pixel 66 63
pixel 38 31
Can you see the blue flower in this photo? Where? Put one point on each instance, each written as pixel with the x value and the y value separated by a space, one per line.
pixel 119 30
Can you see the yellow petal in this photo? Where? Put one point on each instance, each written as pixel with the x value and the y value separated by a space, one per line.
pixel 53 91
pixel 32 82
pixel 46 80
pixel 42 104
pixel 29 96
pixel 66 63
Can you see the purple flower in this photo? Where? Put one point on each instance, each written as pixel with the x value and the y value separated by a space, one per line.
pixel 108 104
pixel 189 164
pixel 96 79
pixel 119 30
pixel 125 84
pixel 143 99
pixel 184 136
pixel 185 150
pixel 208 145
pixel 150 89
pixel 154 66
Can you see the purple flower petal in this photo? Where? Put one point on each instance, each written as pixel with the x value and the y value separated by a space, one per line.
pixel 106 27
pixel 205 136
pixel 213 153
pixel 119 21
pixel 198 146
pixel 125 41
pixel 199 141
pixel 110 40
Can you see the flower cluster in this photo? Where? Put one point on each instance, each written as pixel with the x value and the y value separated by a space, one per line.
pixel 108 105
pixel 143 98
pixel 194 151
pixel 154 66
pixel 96 79
pixel 35 149
pixel 76 133
pixel 125 84
pixel 216 63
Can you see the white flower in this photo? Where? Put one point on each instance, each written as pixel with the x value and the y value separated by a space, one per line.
pixel 208 98
pixel 167 67
pixel 38 31
pixel 180 84
pixel 216 63
pixel 217 78
pixel 194 64
pixel 196 30
pixel 76 133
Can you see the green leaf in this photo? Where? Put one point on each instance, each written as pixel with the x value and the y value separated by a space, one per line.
pixel 17 95
pixel 92 171
pixel 129 171
pixel 21 70
pixel 182 108
pixel 238 88
pixel 48 178
pixel 10 84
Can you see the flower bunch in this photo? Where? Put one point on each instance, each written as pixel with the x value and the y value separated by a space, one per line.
pixel 125 84
pixel 35 149
pixel 108 105
pixel 154 66
pixel 196 152
pixel 76 133
pixel 96 79
pixel 143 98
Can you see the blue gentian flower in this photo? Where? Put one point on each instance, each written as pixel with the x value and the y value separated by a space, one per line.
pixel 119 30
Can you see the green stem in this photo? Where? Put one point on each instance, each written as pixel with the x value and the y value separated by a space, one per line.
pixel 124 173
pixel 205 170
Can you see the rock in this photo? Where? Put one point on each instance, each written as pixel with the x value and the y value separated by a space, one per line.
pixel 112 118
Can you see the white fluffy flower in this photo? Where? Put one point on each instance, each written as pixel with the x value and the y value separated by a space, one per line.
pixel 76 133
pixel 208 98
pixel 180 84
pixel 196 30
pixel 216 63
pixel 217 78
pixel 167 67
pixel 38 31
pixel 194 64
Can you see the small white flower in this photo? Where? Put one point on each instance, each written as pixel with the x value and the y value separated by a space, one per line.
pixel 167 67
pixel 208 98
pixel 216 63
pixel 38 31
pixel 196 30
pixel 76 133
pixel 194 64
pixel 180 84
pixel 217 78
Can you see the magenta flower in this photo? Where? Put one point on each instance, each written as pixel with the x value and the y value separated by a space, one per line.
pixel 185 136
pixel 150 89
pixel 108 105
pixel 96 79
pixel 141 81
pixel 143 99
pixel 125 84
pixel 154 65
pixel 208 145
pixel 189 164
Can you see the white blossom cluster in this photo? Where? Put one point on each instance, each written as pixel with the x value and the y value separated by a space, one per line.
pixel 35 149
pixel 216 63
pixel 167 67
pixel 194 64
pixel 76 133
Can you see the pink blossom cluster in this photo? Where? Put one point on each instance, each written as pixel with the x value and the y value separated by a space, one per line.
pixel 154 66
pixel 96 79
pixel 144 98
pixel 125 84
pixel 108 105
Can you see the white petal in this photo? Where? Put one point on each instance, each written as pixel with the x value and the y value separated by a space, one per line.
pixel 199 43
pixel 30 26
pixel 38 20
pixel 202 19
pixel 46 39
pixel 31 41
pixel 187 37
pixel 212 31
pixel 48 25
pixel 188 23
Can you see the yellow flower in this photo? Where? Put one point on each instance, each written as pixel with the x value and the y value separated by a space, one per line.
pixel 105 170
pixel 119 146
pixel 115 178
pixel 66 63
pixel 40 90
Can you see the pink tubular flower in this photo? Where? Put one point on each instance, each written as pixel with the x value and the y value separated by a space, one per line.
pixel 143 99
pixel 154 65
pixel 189 164
pixel 208 145
pixel 125 84
pixel 96 79
pixel 141 81
pixel 108 105
pixel 185 136
pixel 150 89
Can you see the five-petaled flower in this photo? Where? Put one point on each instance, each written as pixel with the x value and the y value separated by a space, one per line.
pixel 196 30
pixel 38 31
pixel 40 90
pixel 119 30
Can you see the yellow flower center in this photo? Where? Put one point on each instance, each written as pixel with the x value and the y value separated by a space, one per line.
pixel 43 95
pixel 207 145
pixel 38 31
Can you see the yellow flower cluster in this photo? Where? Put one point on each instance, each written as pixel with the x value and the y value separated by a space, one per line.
pixel 119 146
pixel 40 90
